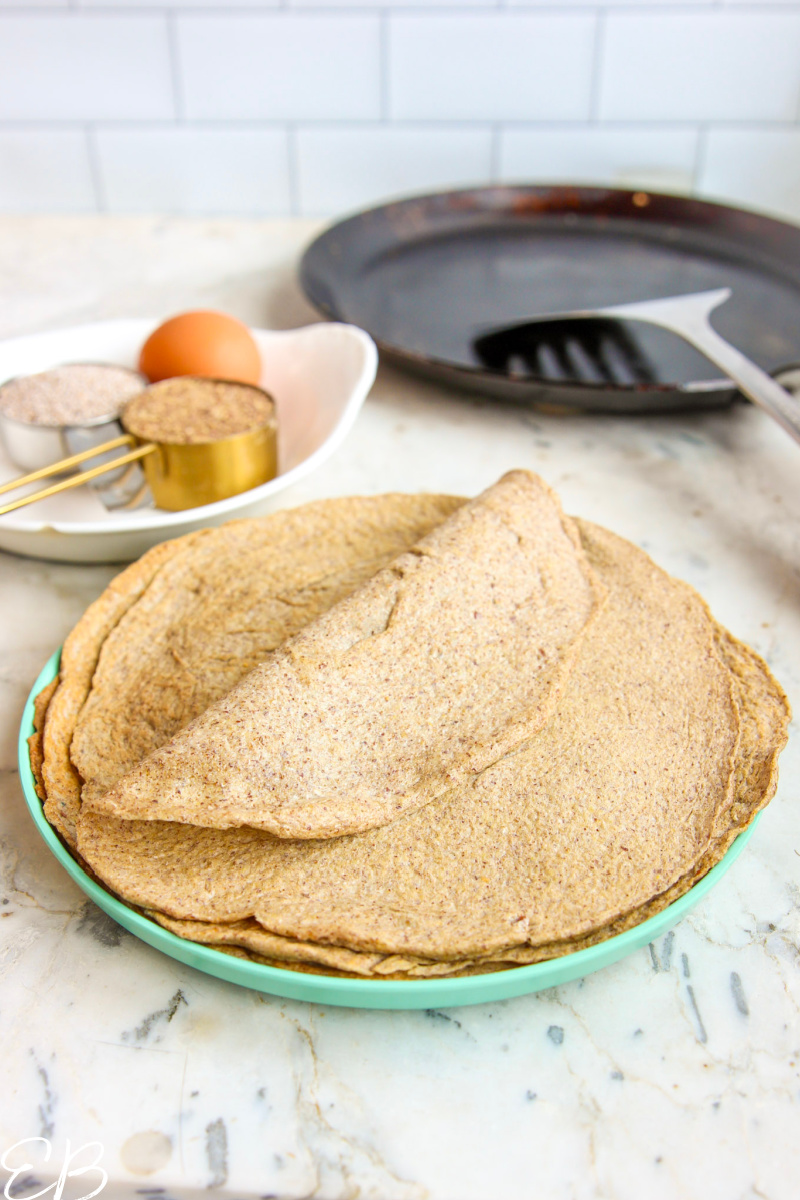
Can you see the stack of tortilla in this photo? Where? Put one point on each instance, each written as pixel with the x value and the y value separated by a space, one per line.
pixel 404 736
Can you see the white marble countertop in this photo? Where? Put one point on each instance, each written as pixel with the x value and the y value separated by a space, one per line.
pixel 675 1073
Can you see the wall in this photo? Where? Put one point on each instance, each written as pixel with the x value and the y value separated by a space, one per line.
pixel 319 107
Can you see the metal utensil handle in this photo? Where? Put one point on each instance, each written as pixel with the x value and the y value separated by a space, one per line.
pixel 77 480
pixel 688 317
pixel 756 384
pixel 64 464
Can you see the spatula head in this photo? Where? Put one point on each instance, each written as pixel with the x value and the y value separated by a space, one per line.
pixel 593 350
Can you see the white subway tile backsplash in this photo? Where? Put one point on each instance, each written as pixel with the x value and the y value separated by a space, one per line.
pixel 267 106
pixel 45 171
pixel 711 65
pixel 295 66
pixel 394 4
pixel 503 66
pixel 679 4
pixel 341 169
pixel 197 171
pixel 759 168
pixel 176 5
pixel 656 159
pixel 83 67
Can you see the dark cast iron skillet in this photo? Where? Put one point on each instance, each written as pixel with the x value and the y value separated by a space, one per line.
pixel 427 276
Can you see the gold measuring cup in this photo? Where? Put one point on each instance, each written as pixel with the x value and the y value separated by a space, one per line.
pixel 180 475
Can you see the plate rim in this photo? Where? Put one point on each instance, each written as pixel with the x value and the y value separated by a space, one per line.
pixel 347 992
pixel 227 508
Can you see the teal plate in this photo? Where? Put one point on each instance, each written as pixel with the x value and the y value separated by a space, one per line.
pixel 358 993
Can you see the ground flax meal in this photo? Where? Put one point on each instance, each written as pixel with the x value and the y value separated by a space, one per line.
pixel 659 746
pixel 73 394
pixel 188 411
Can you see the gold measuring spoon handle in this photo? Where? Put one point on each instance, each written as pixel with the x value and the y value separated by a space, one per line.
pixel 81 477
pixel 64 464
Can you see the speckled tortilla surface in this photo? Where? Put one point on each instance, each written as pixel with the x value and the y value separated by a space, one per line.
pixel 664 739
pixel 179 628
pixel 660 749
pixel 437 666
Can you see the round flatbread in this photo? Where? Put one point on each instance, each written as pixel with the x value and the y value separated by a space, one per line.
pixel 180 627
pixel 662 746
pixel 437 666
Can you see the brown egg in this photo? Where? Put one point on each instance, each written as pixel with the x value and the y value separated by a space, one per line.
pixel 205 343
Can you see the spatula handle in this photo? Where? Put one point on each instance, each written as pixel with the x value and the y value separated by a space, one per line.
pixel 756 384
pixel 688 317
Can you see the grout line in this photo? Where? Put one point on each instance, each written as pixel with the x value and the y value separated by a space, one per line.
pixel 699 157
pixel 546 7
pixel 597 66
pixel 383 66
pixel 495 151
pixel 54 125
pixel 503 7
pixel 175 67
pixel 294 172
pixel 499 8
pixel 95 169
pixel 410 125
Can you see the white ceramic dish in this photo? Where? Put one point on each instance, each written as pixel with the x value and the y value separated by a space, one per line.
pixel 319 375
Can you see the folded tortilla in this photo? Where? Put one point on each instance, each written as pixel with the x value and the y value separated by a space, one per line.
pixel 179 628
pixel 662 747
pixel 433 670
